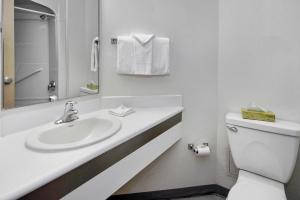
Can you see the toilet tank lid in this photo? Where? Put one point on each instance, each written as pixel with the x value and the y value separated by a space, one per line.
pixel 280 126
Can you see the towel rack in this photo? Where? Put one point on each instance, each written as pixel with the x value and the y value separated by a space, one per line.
pixel 114 41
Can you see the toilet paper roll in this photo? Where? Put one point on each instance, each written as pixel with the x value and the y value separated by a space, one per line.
pixel 202 150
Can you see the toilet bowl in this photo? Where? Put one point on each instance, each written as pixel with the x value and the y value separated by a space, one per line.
pixel 250 186
pixel 265 153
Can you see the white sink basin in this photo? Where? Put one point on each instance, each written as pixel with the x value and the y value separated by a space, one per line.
pixel 73 135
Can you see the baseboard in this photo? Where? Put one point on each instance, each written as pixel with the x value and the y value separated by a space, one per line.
pixel 174 193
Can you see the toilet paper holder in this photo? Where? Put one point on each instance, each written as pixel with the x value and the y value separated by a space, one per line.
pixel 192 147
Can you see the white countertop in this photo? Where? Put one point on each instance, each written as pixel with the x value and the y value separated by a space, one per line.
pixel 23 170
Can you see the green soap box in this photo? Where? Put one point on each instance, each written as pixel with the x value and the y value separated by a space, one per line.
pixel 256 115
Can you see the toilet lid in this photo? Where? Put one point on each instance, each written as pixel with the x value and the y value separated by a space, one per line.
pixel 250 186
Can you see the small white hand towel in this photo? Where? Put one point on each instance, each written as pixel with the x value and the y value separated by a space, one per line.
pixel 143 52
pixel 95 55
pixel 125 55
pixel 161 56
pixel 121 111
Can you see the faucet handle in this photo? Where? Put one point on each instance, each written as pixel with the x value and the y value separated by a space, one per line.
pixel 70 105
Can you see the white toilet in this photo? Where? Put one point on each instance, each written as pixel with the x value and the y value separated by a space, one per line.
pixel 266 155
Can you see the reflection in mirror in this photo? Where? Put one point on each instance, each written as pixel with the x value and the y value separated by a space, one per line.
pixel 50 50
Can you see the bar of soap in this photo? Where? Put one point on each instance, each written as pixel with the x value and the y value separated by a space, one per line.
pixel 257 115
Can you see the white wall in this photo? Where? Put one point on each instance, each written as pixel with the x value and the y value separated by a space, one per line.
pixel 259 60
pixel 192 26
pixel 82 28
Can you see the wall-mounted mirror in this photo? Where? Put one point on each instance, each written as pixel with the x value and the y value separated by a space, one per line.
pixel 50 50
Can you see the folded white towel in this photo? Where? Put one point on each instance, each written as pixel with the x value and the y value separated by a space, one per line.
pixel 95 55
pixel 121 111
pixel 143 48
pixel 141 54
pixel 125 55
pixel 161 56
pixel 135 54
pixel 143 39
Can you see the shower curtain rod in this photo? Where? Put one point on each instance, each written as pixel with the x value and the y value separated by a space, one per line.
pixel 34 11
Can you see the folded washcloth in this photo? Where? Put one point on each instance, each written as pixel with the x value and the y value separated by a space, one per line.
pixel 121 111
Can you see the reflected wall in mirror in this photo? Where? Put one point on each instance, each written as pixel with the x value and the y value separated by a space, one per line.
pixel 50 50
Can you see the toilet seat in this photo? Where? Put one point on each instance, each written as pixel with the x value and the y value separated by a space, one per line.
pixel 250 186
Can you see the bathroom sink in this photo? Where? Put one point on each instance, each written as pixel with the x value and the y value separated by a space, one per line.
pixel 73 135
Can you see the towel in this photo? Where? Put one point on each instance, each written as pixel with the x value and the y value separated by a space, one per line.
pixel 143 39
pixel 143 51
pixel 135 54
pixel 141 54
pixel 161 56
pixel 95 55
pixel 121 111
pixel 125 55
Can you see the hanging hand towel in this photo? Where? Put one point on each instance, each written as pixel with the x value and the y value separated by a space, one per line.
pixel 143 52
pixel 161 56
pixel 135 54
pixel 125 55
pixel 95 55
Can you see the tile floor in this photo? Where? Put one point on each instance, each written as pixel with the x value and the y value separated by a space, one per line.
pixel 210 197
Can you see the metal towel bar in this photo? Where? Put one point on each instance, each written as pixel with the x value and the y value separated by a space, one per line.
pixel 114 41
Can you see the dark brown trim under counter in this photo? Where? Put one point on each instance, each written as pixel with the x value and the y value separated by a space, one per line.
pixel 188 192
pixel 65 184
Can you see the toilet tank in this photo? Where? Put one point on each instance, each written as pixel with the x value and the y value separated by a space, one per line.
pixel 264 148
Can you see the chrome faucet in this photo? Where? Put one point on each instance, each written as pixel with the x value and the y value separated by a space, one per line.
pixel 70 113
